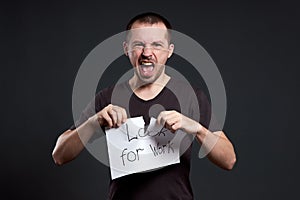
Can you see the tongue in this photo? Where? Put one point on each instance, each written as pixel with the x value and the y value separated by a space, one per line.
pixel 147 70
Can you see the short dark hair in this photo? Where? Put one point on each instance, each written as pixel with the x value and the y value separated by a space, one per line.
pixel 149 18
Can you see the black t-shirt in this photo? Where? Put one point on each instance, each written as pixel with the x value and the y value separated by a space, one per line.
pixel 168 183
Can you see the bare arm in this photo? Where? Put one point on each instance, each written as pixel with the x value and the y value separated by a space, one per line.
pixel 219 148
pixel 70 143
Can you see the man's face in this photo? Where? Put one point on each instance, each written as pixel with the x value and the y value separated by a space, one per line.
pixel 148 49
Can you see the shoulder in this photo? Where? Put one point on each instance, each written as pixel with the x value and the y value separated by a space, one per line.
pixel 105 96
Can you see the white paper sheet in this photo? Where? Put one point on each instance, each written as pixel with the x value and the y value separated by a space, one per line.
pixel 131 149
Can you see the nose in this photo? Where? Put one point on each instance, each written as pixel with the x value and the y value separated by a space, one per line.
pixel 147 51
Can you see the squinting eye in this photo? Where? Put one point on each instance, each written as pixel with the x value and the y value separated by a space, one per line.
pixel 157 45
pixel 138 45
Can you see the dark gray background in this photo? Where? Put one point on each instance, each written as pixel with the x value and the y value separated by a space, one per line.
pixel 254 44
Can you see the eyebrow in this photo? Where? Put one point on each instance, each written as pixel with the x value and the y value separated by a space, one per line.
pixel 139 41
pixel 158 42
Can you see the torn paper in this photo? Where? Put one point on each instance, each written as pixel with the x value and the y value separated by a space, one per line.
pixel 133 149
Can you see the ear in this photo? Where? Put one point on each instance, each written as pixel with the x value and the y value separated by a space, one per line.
pixel 171 49
pixel 125 48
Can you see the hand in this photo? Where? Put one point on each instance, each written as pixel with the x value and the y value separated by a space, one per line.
pixel 112 116
pixel 174 120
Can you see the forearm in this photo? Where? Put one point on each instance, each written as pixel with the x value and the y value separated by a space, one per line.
pixel 218 148
pixel 71 142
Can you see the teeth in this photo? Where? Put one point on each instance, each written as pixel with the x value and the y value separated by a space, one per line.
pixel 146 63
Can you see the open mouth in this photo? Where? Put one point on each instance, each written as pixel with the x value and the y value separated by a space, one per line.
pixel 147 67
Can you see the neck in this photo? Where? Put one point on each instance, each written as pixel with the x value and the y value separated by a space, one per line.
pixel 150 90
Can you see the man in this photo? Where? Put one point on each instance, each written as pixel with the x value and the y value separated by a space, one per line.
pixel 148 48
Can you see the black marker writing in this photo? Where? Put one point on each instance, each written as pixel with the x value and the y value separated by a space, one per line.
pixel 162 149
pixel 127 131
pixel 141 132
pixel 130 155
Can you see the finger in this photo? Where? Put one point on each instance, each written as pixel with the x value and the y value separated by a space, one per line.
pixel 124 115
pixel 170 124
pixel 105 117
pixel 163 117
pixel 170 120
pixel 173 121
pixel 176 126
pixel 113 116
pixel 160 119
pixel 121 115
pixel 172 117
pixel 118 111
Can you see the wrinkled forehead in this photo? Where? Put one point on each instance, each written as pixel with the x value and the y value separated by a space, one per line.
pixel 148 34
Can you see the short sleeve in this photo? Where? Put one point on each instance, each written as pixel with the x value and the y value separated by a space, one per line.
pixel 101 100
pixel 204 108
